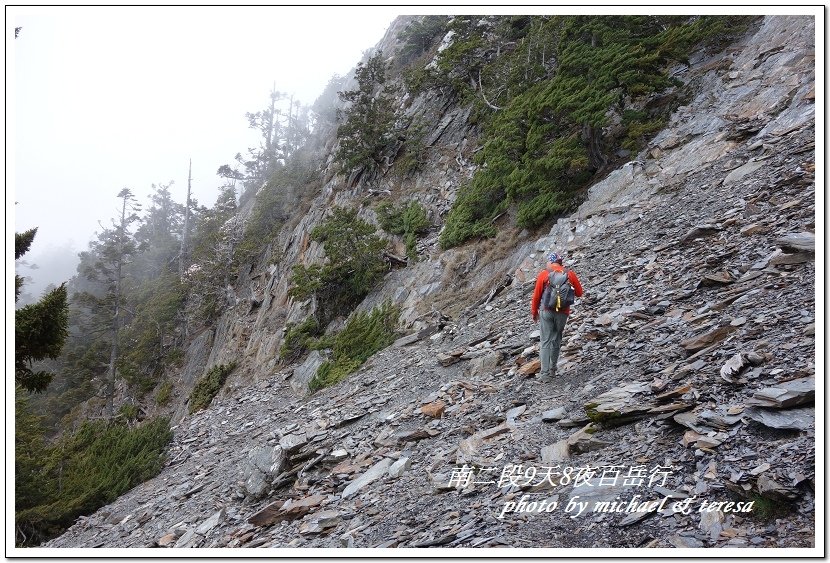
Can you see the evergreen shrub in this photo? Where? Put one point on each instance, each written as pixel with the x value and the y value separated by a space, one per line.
pixel 409 221
pixel 88 469
pixel 546 141
pixel 299 339
pixel 164 393
pixel 208 386
pixel 363 335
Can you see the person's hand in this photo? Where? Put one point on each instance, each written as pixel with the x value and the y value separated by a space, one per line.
pixel 535 318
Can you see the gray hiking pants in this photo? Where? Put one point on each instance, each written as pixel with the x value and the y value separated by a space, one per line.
pixel 553 325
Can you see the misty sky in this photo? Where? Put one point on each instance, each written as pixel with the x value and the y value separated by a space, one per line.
pixel 102 98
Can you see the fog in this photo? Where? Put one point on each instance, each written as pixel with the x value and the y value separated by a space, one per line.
pixel 102 98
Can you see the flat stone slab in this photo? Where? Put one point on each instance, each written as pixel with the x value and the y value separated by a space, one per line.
pixel 377 471
pixel 792 419
pixel 787 394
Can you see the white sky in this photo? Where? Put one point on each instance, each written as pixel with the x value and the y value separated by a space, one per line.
pixel 102 98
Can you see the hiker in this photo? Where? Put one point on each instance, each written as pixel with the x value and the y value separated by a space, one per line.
pixel 553 321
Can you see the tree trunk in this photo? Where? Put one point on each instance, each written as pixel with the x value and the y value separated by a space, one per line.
pixel 183 251
pixel 592 136
pixel 116 311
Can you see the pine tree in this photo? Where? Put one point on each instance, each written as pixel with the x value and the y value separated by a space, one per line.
pixel 369 121
pixel 40 328
pixel 355 265
pixel 217 233
pixel 112 251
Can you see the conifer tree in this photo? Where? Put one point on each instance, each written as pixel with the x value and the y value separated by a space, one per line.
pixel 40 328
pixel 355 265
pixel 369 121
pixel 112 250
pixel 22 242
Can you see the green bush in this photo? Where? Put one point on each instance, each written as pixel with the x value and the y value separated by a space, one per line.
pixel 471 216
pixel 639 128
pixel 417 79
pixel 208 386
pixel 403 220
pixel 419 37
pixel 299 339
pixel 88 469
pixel 410 221
pixel 273 206
pixel 546 142
pixel 363 335
pixel 128 412
pixel 164 393
pixel 355 265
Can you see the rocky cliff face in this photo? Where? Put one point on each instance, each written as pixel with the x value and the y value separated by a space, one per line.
pixel 688 376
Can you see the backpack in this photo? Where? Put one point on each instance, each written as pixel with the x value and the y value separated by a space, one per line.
pixel 559 293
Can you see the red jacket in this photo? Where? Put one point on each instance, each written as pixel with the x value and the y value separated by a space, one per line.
pixel 542 281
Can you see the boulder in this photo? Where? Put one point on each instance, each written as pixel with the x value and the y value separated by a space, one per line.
pixel 303 374
pixel 263 464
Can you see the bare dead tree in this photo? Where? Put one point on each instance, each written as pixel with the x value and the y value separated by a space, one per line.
pixel 483 97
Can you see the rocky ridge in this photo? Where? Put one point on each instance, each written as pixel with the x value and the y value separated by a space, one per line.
pixel 687 372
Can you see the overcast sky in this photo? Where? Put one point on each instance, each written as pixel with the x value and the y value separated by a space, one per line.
pixel 102 98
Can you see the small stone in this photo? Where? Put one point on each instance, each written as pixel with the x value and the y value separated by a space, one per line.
pixel 708 442
pixel 185 540
pixel 399 467
pixel 798 242
pixel 555 453
pixel 784 259
pixel 495 431
pixel 320 521
pixel 339 454
pixel 685 541
pixel 733 367
pixel 760 469
pixel 753 229
pixel 716 279
pixel 293 442
pixel 770 488
pixel 373 473
pixel 603 320
pixel 697 343
pixel 711 523
pixel 689 438
pixel 447 360
pixel 787 394
pixel 167 540
pixel 553 415
pixel 531 367
pixel 795 419
pixel 211 523
pixel 288 510
pixel 584 441
pixel 515 412
pixel 434 409
pixel 414 435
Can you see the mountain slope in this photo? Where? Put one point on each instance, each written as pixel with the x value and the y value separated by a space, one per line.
pixel 699 251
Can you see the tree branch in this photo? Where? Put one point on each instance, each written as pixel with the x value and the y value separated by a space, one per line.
pixel 483 97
